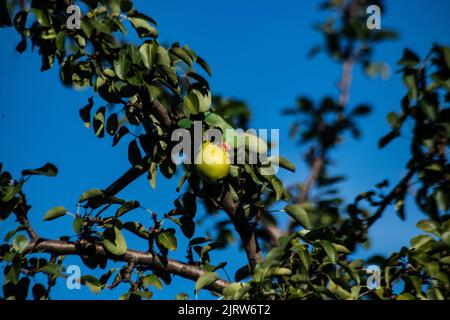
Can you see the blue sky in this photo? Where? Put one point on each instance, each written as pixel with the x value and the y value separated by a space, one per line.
pixel 257 50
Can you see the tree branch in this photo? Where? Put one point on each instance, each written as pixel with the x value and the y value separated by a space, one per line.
pixel 161 113
pixel 128 177
pixel 391 196
pixel 346 81
pixel 21 213
pixel 138 258
pixel 313 175
pixel 136 171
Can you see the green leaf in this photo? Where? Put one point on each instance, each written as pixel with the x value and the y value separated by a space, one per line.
pixel 137 228
pixel 39 291
pixel 214 120
pixel 299 214
pixel 55 213
pixel 168 240
pixel 148 54
pixel 92 283
pixel 85 112
pixel 135 56
pixel 197 101
pixel 205 280
pixel 410 81
pixel 9 192
pixel 77 225
pixel 143 28
pixel 134 154
pixel 127 206
pixel 181 296
pixel 374 69
pixel 41 17
pixel 13 273
pixel 90 194
pixel 300 278
pixel 20 242
pixel 281 272
pixel 181 54
pixel 340 248
pixel 429 107
pixel 204 65
pixel 151 176
pixel 209 247
pixel 52 269
pixel 112 124
pixel 393 120
pixel 154 92
pixel 362 110
pixel 99 122
pixel 120 134
pixel 60 41
pixel 190 104
pixel 5 19
pixel 187 226
pixel 22 289
pixel 122 65
pixel 198 240
pixel 186 205
pixel 48 169
pixel 11 233
pixel 409 59
pixel 420 241
pixel 329 250
pixel 114 241
pixel 162 57
pixel 338 290
pixel 442 199
pixel 406 296
pixel 185 123
pixel 274 255
pixel 242 273
pixel 283 163
pixel 429 226
pixel 277 187
pixel 445 260
pixel 86 27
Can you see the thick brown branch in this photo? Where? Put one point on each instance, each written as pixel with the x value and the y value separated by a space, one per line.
pixel 244 229
pixel 128 177
pixel 138 258
pixel 161 113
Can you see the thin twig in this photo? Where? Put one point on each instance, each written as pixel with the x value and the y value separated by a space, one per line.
pixel 400 187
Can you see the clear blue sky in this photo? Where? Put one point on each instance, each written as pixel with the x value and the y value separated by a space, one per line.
pixel 257 50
